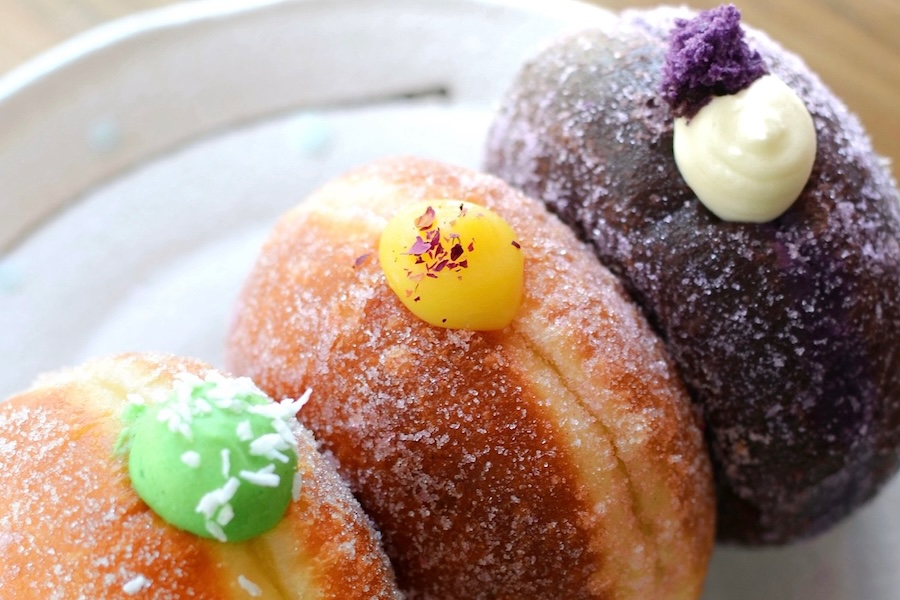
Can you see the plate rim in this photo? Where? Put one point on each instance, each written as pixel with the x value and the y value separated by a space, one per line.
pixel 100 37
pixel 69 80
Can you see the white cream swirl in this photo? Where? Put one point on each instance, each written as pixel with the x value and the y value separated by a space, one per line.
pixel 748 156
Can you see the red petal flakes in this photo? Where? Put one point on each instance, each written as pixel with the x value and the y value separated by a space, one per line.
pixel 426 219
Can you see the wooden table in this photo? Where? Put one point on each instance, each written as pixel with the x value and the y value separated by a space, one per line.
pixel 854 45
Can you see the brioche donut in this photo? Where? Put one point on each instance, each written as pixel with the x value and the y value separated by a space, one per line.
pixel 786 332
pixel 72 526
pixel 557 456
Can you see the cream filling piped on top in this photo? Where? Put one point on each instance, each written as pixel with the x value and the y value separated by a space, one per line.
pixel 748 156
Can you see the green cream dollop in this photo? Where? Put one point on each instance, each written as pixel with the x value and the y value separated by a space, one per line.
pixel 217 457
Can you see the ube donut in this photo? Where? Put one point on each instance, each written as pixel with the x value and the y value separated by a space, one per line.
pixel 72 525
pixel 556 456
pixel 786 332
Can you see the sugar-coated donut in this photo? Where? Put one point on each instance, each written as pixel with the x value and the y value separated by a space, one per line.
pixel 72 526
pixel 786 332
pixel 556 457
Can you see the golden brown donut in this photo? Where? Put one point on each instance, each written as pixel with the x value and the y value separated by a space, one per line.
pixel 72 526
pixel 555 458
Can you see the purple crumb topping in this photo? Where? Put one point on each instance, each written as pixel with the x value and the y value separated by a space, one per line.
pixel 707 57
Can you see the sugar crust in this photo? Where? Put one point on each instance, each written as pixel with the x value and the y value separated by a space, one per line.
pixel 557 457
pixel 73 527
pixel 786 332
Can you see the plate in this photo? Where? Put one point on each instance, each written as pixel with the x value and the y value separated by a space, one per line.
pixel 142 164
pixel 134 156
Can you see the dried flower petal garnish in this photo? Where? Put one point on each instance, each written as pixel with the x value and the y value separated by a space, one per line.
pixel 426 219
pixel 454 264
pixel 432 252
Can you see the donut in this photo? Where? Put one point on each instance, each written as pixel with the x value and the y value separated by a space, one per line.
pixel 526 444
pixel 73 526
pixel 785 326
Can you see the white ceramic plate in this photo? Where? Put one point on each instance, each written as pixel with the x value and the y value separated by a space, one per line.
pixel 142 163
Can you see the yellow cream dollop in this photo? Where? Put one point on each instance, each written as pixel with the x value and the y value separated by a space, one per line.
pixel 454 264
pixel 748 156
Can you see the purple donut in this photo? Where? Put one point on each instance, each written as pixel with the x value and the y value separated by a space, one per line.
pixel 787 333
